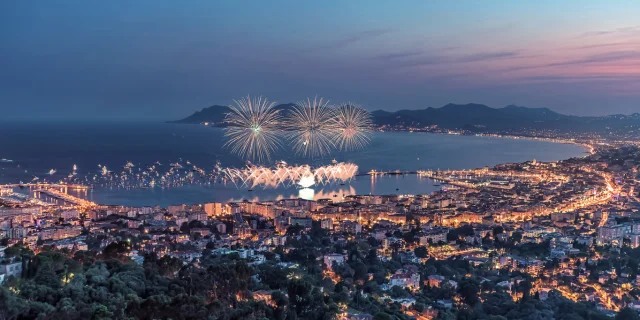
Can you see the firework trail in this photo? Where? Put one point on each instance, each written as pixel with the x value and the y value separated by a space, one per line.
pixel 352 127
pixel 311 127
pixel 284 175
pixel 254 131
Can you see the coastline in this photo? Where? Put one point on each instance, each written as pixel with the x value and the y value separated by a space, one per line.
pixel 362 186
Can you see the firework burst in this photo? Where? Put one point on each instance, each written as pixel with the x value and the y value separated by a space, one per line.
pixel 304 175
pixel 352 127
pixel 311 127
pixel 254 131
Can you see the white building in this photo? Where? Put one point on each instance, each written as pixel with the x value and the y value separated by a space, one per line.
pixel 330 259
pixel 405 279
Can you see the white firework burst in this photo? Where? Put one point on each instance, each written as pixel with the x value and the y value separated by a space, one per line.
pixel 253 130
pixel 311 127
pixel 352 127
pixel 304 175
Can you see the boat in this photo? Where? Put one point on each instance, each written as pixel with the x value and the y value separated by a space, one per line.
pixel 21 185
pixel 129 165
pixel 6 160
pixel 52 171
pixel 75 168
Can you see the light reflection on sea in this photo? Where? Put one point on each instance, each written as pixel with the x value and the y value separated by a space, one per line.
pixel 35 152
pixel 403 184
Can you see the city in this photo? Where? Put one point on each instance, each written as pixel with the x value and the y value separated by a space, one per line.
pixel 566 229
pixel 320 160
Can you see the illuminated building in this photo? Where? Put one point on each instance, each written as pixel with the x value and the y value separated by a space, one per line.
pixel 330 259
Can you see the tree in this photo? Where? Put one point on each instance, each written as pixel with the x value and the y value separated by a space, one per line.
pixel 299 295
pixel 281 302
pixel 116 249
pixel 627 314
pixel 46 277
pixel 383 316
pixel 421 252
pixel 516 237
pixel 10 305
pixel 294 229
pixel 468 290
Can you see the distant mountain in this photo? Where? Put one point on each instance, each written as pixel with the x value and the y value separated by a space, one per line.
pixel 468 115
pixel 472 116
pixel 216 114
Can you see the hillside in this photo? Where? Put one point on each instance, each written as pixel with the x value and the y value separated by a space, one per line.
pixel 216 114
pixel 475 117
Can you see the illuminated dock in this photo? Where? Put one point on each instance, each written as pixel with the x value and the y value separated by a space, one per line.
pixel 46 185
pixel 66 197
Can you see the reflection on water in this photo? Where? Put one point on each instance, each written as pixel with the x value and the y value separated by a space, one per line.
pixel 306 193
pixel 112 145
pixel 192 194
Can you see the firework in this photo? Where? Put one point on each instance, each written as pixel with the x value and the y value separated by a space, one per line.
pixel 254 131
pixel 352 127
pixel 303 176
pixel 311 127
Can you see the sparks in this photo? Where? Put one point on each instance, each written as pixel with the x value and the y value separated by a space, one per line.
pixel 311 127
pixel 353 127
pixel 254 131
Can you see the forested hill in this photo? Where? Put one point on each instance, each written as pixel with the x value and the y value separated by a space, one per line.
pixel 107 284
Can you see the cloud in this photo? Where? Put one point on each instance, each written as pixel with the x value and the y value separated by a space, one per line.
pixel 602 45
pixel 624 30
pixel 601 58
pixel 399 55
pixel 581 78
pixel 592 59
pixel 467 58
pixel 347 41
pixel 484 56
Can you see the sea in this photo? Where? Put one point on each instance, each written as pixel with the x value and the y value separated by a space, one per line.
pixel 33 149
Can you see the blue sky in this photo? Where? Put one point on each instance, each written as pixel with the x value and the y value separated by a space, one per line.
pixel 165 59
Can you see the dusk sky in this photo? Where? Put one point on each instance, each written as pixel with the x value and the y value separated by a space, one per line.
pixel 162 60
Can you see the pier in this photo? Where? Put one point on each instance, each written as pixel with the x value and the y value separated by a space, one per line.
pixel 390 173
pixel 66 197
pixel 46 185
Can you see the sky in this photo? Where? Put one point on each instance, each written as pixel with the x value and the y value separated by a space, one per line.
pixel 163 60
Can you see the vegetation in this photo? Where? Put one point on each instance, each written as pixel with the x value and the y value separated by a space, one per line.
pixel 108 285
